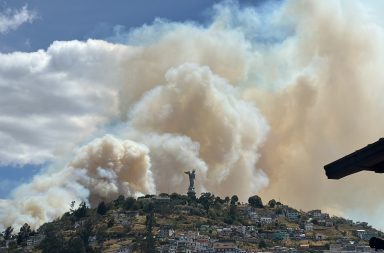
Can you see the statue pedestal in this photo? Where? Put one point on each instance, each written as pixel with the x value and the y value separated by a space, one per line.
pixel 191 194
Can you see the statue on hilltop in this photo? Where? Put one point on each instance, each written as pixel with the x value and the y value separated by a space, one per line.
pixel 191 189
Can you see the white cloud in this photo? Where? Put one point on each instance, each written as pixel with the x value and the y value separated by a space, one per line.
pixel 11 19
pixel 52 100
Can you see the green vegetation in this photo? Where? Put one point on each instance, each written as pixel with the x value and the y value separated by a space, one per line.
pixel 255 201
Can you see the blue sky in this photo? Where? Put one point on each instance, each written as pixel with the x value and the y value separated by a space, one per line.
pixel 69 20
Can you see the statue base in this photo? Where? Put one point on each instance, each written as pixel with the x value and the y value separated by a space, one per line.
pixel 191 194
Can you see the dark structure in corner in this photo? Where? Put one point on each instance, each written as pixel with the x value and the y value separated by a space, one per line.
pixel 370 158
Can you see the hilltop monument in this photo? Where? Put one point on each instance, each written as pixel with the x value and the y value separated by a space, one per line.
pixel 191 189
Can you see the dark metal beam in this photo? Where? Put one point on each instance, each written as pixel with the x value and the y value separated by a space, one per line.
pixel 370 158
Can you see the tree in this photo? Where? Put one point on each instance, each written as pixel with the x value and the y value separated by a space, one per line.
pixel 272 203
pixel 255 201
pixel 129 202
pixel 72 206
pixel 119 201
pixel 53 241
pixel 75 245
pixel 150 243
pixel 85 231
pixel 24 234
pixel 102 208
pixel 8 233
pixel 234 200
pixel 110 222
pixel 219 201
pixel 262 244
pixel 232 209
pixel 137 205
pixel 207 200
pixel 101 234
pixel 175 196
pixel 81 212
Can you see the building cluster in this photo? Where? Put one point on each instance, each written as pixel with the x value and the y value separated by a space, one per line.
pixel 227 239
pixel 193 242
pixel 348 248
pixel 268 229
pixel 309 228
pixel 31 243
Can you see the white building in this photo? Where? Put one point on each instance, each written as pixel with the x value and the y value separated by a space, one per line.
pixel 253 216
pixel 266 220
pixel 360 233
pixel 308 226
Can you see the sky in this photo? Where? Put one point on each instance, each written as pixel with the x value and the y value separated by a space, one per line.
pixel 98 100
pixel 47 21
pixel 37 24
pixel 65 20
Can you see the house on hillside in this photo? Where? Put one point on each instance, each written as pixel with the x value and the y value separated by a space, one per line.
pixel 165 232
pixel 120 218
pixel 225 232
pixel 321 222
pixel 364 234
pixel 34 240
pixel 126 249
pixel 281 235
pixel 266 220
pixel 320 237
pixel 202 244
pixel 325 216
pixel 225 247
pixel 308 226
pixel 316 214
pixel 360 233
pixel 253 215
pixel 292 215
pixel 133 214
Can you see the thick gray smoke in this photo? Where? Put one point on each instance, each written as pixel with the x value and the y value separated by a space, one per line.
pixel 207 128
pixel 102 170
pixel 257 101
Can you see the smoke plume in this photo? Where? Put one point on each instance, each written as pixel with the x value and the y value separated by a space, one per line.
pixel 102 170
pixel 257 101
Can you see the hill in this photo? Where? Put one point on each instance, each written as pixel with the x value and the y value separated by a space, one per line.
pixel 177 223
